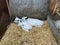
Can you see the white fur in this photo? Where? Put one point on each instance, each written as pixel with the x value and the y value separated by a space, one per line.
pixel 25 26
pixel 17 20
pixel 33 22
pixel 57 23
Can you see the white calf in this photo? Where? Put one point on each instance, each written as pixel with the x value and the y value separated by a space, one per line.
pixel 33 22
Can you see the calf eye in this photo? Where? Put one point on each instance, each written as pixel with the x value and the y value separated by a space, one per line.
pixel 20 21
pixel 17 20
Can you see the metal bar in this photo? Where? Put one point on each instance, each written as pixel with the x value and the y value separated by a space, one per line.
pixel 54 29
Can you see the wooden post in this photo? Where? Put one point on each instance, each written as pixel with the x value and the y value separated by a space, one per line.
pixel 8 8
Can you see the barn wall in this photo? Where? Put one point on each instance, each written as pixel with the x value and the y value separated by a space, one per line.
pixel 30 8
pixel 4 17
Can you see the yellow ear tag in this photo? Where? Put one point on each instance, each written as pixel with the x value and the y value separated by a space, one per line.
pixel 26 17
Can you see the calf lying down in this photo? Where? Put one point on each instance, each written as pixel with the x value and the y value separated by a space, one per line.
pixel 26 24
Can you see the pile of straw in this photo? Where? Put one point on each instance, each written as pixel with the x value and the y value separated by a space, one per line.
pixel 37 36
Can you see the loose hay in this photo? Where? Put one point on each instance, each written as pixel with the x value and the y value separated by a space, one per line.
pixel 37 36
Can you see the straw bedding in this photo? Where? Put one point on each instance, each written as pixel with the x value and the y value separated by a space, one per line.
pixel 37 36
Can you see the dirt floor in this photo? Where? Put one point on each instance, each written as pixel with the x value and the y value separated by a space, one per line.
pixel 37 36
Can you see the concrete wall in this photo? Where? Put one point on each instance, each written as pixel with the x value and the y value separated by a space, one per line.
pixel 29 8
